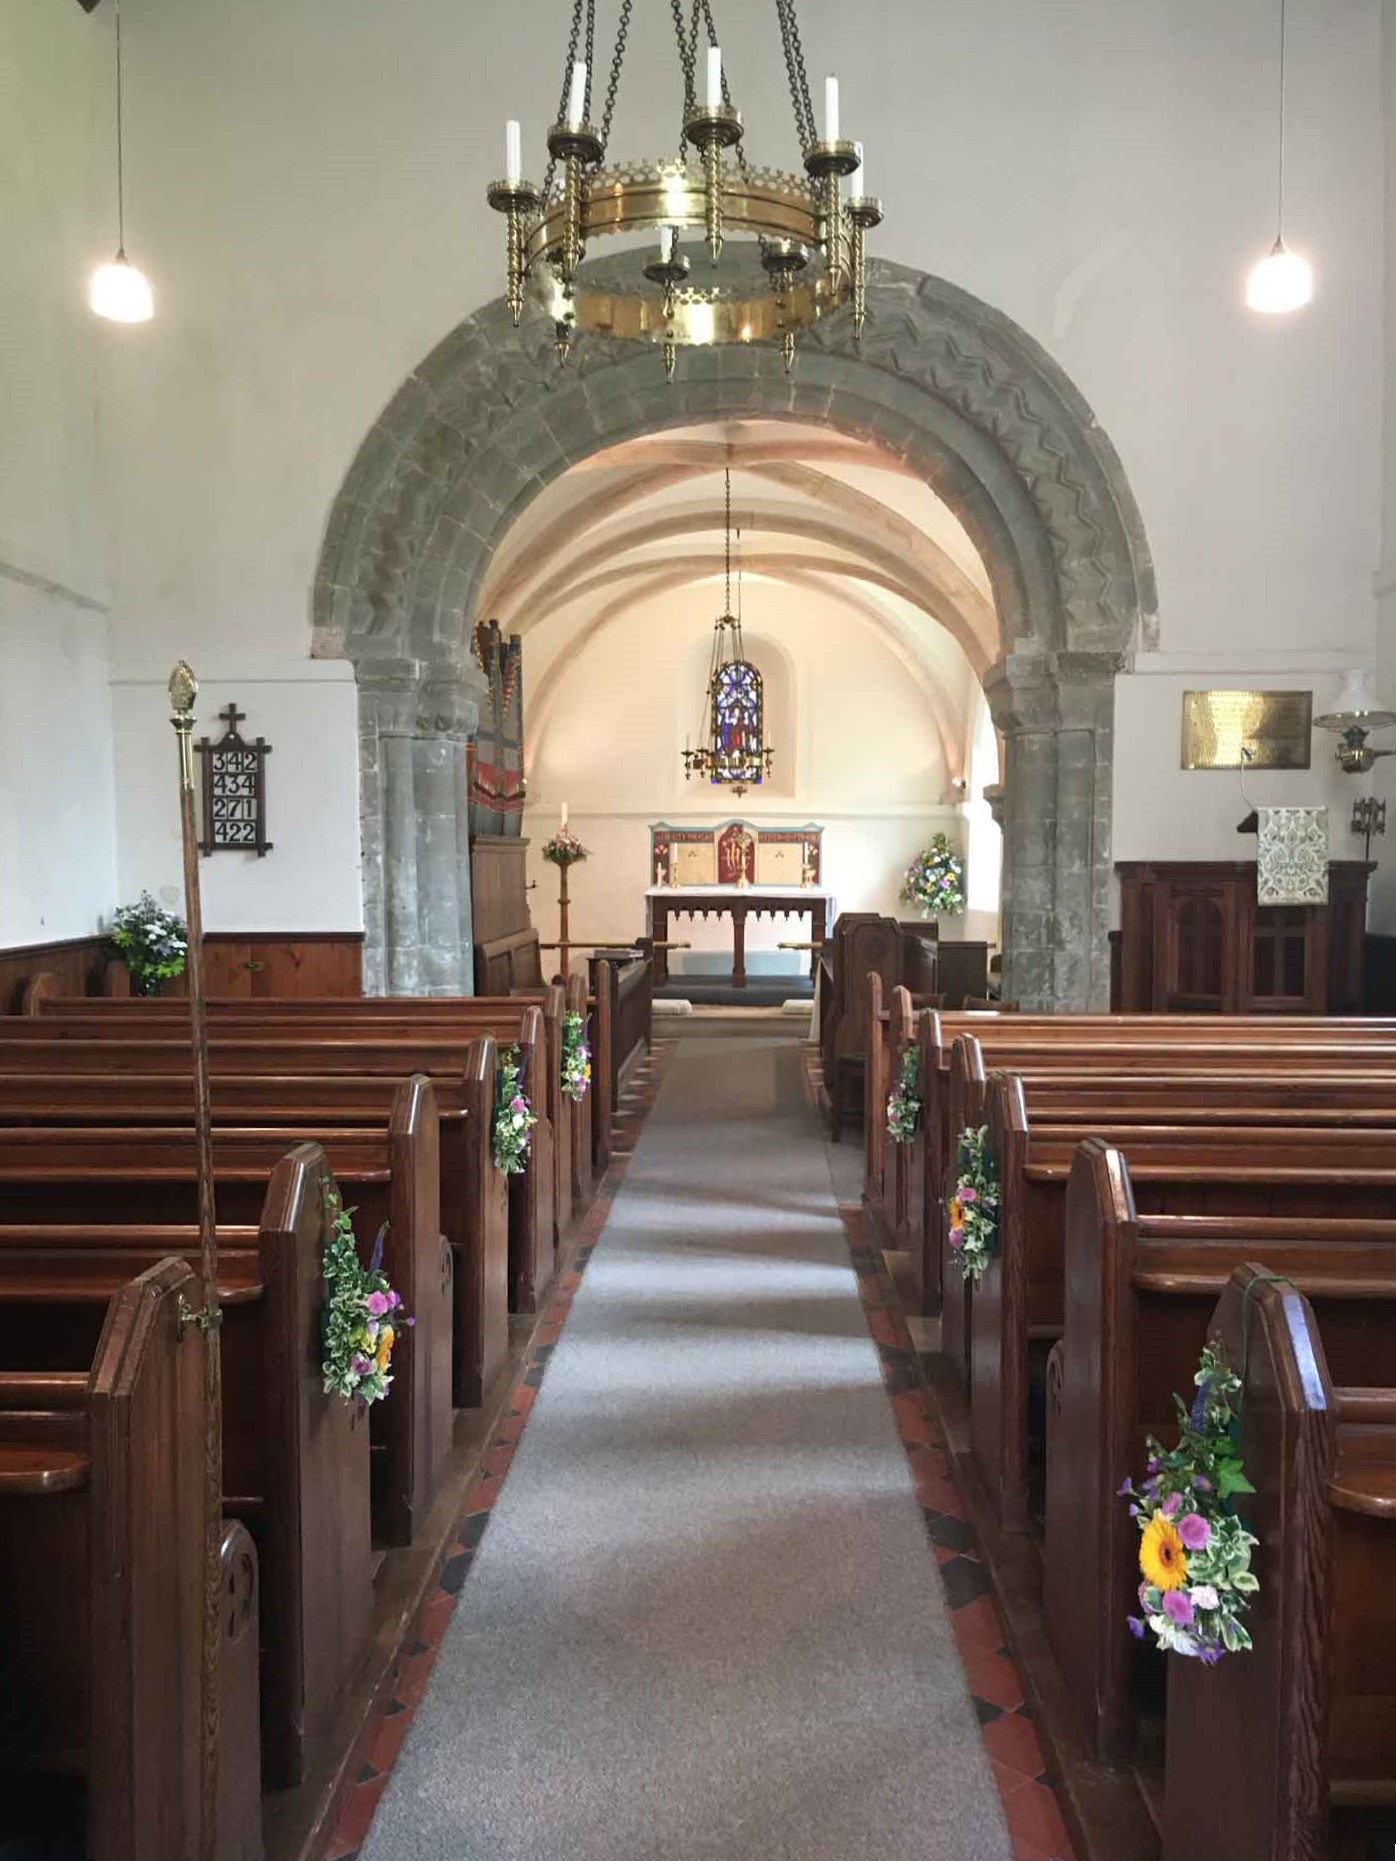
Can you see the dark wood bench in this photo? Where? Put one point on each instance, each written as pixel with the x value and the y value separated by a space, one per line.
pixel 102 1541
pixel 389 1175
pixel 474 1212
pixel 1289 1752
pixel 296 1467
pixel 532 1253
pixel 1016 1308
pixel 1140 1295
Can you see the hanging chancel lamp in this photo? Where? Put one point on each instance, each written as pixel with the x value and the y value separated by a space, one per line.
pixel 119 291
pixel 735 751
pixel 782 249
pixel 1282 280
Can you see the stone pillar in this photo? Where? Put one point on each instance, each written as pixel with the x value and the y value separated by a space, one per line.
pixel 1056 712
pixel 414 724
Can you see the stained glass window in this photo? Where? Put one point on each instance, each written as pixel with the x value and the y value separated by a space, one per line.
pixel 737 722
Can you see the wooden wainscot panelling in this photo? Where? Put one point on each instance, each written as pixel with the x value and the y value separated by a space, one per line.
pixel 76 964
pixel 499 886
pixel 238 963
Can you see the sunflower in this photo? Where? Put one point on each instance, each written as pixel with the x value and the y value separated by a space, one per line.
pixel 384 1353
pixel 1162 1558
pixel 956 1213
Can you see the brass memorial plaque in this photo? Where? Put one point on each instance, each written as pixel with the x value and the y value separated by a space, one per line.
pixel 1275 726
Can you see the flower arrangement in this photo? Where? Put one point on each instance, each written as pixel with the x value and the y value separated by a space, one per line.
pixel 904 1101
pixel 973 1210
pixel 576 1058
pixel 564 849
pixel 362 1314
pixel 935 880
pixel 514 1117
pixel 152 943
pixel 1194 1552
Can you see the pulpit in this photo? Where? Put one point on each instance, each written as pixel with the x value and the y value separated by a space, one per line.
pixel 1193 940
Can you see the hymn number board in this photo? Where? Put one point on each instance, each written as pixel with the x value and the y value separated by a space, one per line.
pixel 235 790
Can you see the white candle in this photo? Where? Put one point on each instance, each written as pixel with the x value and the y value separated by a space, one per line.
pixel 513 153
pixel 831 109
pixel 577 98
pixel 714 77
pixel 564 813
pixel 862 172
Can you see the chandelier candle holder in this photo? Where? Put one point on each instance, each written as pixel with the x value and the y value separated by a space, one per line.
pixel 784 249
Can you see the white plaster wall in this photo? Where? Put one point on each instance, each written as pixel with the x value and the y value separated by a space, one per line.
pixel 307 710
pixel 864 759
pixel 57 840
pixel 57 854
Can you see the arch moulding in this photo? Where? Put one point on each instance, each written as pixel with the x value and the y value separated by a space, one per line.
pixel 941 380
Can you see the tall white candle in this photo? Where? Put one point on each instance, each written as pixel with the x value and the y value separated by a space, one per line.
pixel 564 813
pixel 862 172
pixel 577 98
pixel 714 77
pixel 831 109
pixel 513 153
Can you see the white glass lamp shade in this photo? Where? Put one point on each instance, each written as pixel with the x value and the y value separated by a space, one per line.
pixel 1281 282
pixel 121 293
pixel 1356 703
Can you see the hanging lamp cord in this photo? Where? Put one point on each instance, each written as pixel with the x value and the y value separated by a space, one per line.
pixel 120 159
pixel 727 535
pixel 1280 204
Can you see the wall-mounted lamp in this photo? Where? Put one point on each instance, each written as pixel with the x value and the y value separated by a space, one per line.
pixel 1354 717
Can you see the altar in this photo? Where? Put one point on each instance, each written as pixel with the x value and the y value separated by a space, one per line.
pixel 739 902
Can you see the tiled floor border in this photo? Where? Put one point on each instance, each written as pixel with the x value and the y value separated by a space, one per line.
pixel 389 1723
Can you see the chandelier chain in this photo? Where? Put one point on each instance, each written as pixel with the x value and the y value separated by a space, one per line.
pixel 617 60
pixel 795 71
pixel 727 535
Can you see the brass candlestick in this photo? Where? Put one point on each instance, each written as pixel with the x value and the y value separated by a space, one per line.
pixel 864 212
pixel 711 130
pixel 826 165
pixel 519 202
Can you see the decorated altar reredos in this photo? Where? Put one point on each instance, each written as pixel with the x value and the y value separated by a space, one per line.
pixel 735 852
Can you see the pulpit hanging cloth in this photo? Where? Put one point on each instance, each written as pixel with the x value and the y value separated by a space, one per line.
pixel 1292 856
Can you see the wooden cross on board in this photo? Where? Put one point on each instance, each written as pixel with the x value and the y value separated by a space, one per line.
pixel 232 717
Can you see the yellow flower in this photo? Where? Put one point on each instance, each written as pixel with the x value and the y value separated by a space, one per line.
pixel 957 1214
pixel 383 1355
pixel 1162 1558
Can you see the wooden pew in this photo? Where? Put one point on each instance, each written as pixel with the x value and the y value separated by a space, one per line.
pixel 507 1020
pixel 101 1545
pixel 295 1461
pixel 473 1206
pixel 532 1256
pixel 1140 1292
pixel 1289 1752
pixel 959 1101
pixel 622 992
pixel 390 1175
pixel 1239 1168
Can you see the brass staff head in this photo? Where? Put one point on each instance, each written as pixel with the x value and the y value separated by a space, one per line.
pixel 184 689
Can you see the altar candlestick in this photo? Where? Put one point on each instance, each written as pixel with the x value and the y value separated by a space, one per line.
pixel 577 97
pixel 831 109
pixel 513 153
pixel 714 98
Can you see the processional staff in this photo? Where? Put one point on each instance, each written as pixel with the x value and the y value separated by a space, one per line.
pixel 184 690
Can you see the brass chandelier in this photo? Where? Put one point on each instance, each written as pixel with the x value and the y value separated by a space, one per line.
pixel 783 249
pixel 735 752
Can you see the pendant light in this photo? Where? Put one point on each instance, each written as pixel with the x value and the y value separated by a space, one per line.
pixel 1282 281
pixel 119 291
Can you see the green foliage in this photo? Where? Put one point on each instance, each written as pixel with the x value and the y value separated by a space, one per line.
pixel 514 1118
pixel 904 1101
pixel 151 942
pixel 973 1211
pixel 362 1314
pixel 934 881
pixel 576 1057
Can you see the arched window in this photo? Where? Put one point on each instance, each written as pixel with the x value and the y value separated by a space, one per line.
pixel 738 724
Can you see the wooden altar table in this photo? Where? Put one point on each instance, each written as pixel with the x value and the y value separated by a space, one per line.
pixel 738 903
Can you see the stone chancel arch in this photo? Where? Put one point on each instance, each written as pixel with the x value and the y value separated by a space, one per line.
pixel 945 383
